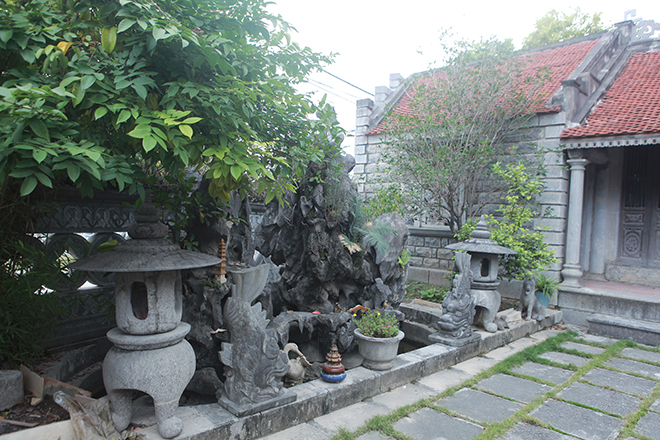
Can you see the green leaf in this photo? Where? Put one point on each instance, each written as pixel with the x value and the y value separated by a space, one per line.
pixel 141 131
pixel 191 120
pixel 39 128
pixel 6 34
pixel 158 33
pixel 28 185
pixel 100 112
pixel 39 155
pixel 140 90
pixel 87 81
pixel 149 143
pixel 73 171
pixel 125 24
pixel 29 56
pixel 123 116
pixel 186 130
pixel 236 172
pixel 44 179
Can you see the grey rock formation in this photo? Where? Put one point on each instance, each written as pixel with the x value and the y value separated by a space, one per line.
pixel 329 259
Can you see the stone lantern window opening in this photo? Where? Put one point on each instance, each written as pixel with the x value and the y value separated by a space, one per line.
pixel 139 300
pixel 485 267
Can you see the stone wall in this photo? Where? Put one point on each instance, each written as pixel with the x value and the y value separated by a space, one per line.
pixel 430 261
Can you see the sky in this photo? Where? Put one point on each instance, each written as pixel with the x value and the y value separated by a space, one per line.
pixel 375 38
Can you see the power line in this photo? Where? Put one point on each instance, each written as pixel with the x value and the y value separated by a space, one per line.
pixel 350 84
pixel 333 91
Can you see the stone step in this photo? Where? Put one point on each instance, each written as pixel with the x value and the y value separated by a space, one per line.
pixel 577 305
pixel 641 331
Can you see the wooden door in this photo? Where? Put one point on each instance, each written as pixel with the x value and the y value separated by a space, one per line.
pixel 640 216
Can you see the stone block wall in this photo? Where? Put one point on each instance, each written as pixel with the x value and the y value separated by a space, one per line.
pixel 430 261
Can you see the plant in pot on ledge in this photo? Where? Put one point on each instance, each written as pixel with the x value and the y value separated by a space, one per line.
pixel 546 288
pixel 378 338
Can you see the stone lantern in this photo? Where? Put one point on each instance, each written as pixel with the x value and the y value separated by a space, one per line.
pixel 484 267
pixel 150 353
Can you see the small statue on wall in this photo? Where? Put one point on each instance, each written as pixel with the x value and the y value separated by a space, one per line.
pixel 530 308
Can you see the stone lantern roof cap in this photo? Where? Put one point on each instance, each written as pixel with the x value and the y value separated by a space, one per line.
pixel 480 242
pixel 147 251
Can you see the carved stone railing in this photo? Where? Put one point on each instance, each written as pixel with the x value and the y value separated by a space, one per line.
pixel 75 228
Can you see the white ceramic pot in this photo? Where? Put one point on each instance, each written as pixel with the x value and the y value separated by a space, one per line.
pixel 378 353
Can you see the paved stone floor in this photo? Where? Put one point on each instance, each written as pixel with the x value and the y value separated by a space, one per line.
pixel 587 388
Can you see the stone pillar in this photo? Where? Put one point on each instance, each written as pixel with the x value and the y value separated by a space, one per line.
pixel 572 271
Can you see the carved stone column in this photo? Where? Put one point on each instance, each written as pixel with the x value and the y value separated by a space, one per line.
pixel 572 271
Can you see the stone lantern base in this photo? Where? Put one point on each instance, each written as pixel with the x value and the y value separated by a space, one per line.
pixel 160 365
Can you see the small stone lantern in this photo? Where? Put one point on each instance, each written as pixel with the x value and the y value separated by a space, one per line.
pixel 150 353
pixel 484 266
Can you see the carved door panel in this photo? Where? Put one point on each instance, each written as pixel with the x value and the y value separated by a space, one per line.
pixel 640 217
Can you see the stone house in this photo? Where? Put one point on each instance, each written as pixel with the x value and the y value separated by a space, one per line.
pixel 602 126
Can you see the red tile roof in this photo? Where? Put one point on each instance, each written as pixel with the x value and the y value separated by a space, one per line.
pixel 630 106
pixel 558 63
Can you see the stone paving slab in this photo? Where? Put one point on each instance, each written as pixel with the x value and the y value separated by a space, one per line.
pixel 599 339
pixel 642 368
pixel 373 435
pixel 612 402
pixel 580 422
pixel 404 395
pixel 544 372
pixel 521 390
pixel 429 424
pixel 443 380
pixel 649 425
pixel 565 358
pixel 643 355
pixel 655 406
pixel 351 417
pixel 304 431
pixel 525 431
pixel 583 348
pixel 478 406
pixel 476 365
pixel 620 381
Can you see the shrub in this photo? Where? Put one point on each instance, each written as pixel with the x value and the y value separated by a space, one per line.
pixel 514 229
pixel 29 312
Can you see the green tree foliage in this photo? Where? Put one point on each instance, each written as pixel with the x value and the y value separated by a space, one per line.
pixel 441 150
pixel 559 26
pixel 128 94
pixel 100 93
pixel 514 229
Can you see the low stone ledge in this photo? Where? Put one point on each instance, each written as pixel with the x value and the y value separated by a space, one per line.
pixel 317 398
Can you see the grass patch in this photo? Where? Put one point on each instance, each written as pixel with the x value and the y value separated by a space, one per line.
pixel 428 292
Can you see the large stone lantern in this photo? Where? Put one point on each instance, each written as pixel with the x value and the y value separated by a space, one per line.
pixel 484 267
pixel 150 353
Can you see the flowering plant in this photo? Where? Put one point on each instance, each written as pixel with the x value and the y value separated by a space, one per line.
pixel 377 325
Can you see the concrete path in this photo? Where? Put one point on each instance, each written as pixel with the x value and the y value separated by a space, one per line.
pixel 586 387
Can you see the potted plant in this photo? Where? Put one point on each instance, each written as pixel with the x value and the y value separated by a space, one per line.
pixel 546 288
pixel 378 337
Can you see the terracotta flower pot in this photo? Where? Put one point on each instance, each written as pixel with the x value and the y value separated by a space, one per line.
pixel 378 353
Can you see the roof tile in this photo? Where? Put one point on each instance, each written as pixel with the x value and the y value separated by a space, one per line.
pixel 630 106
